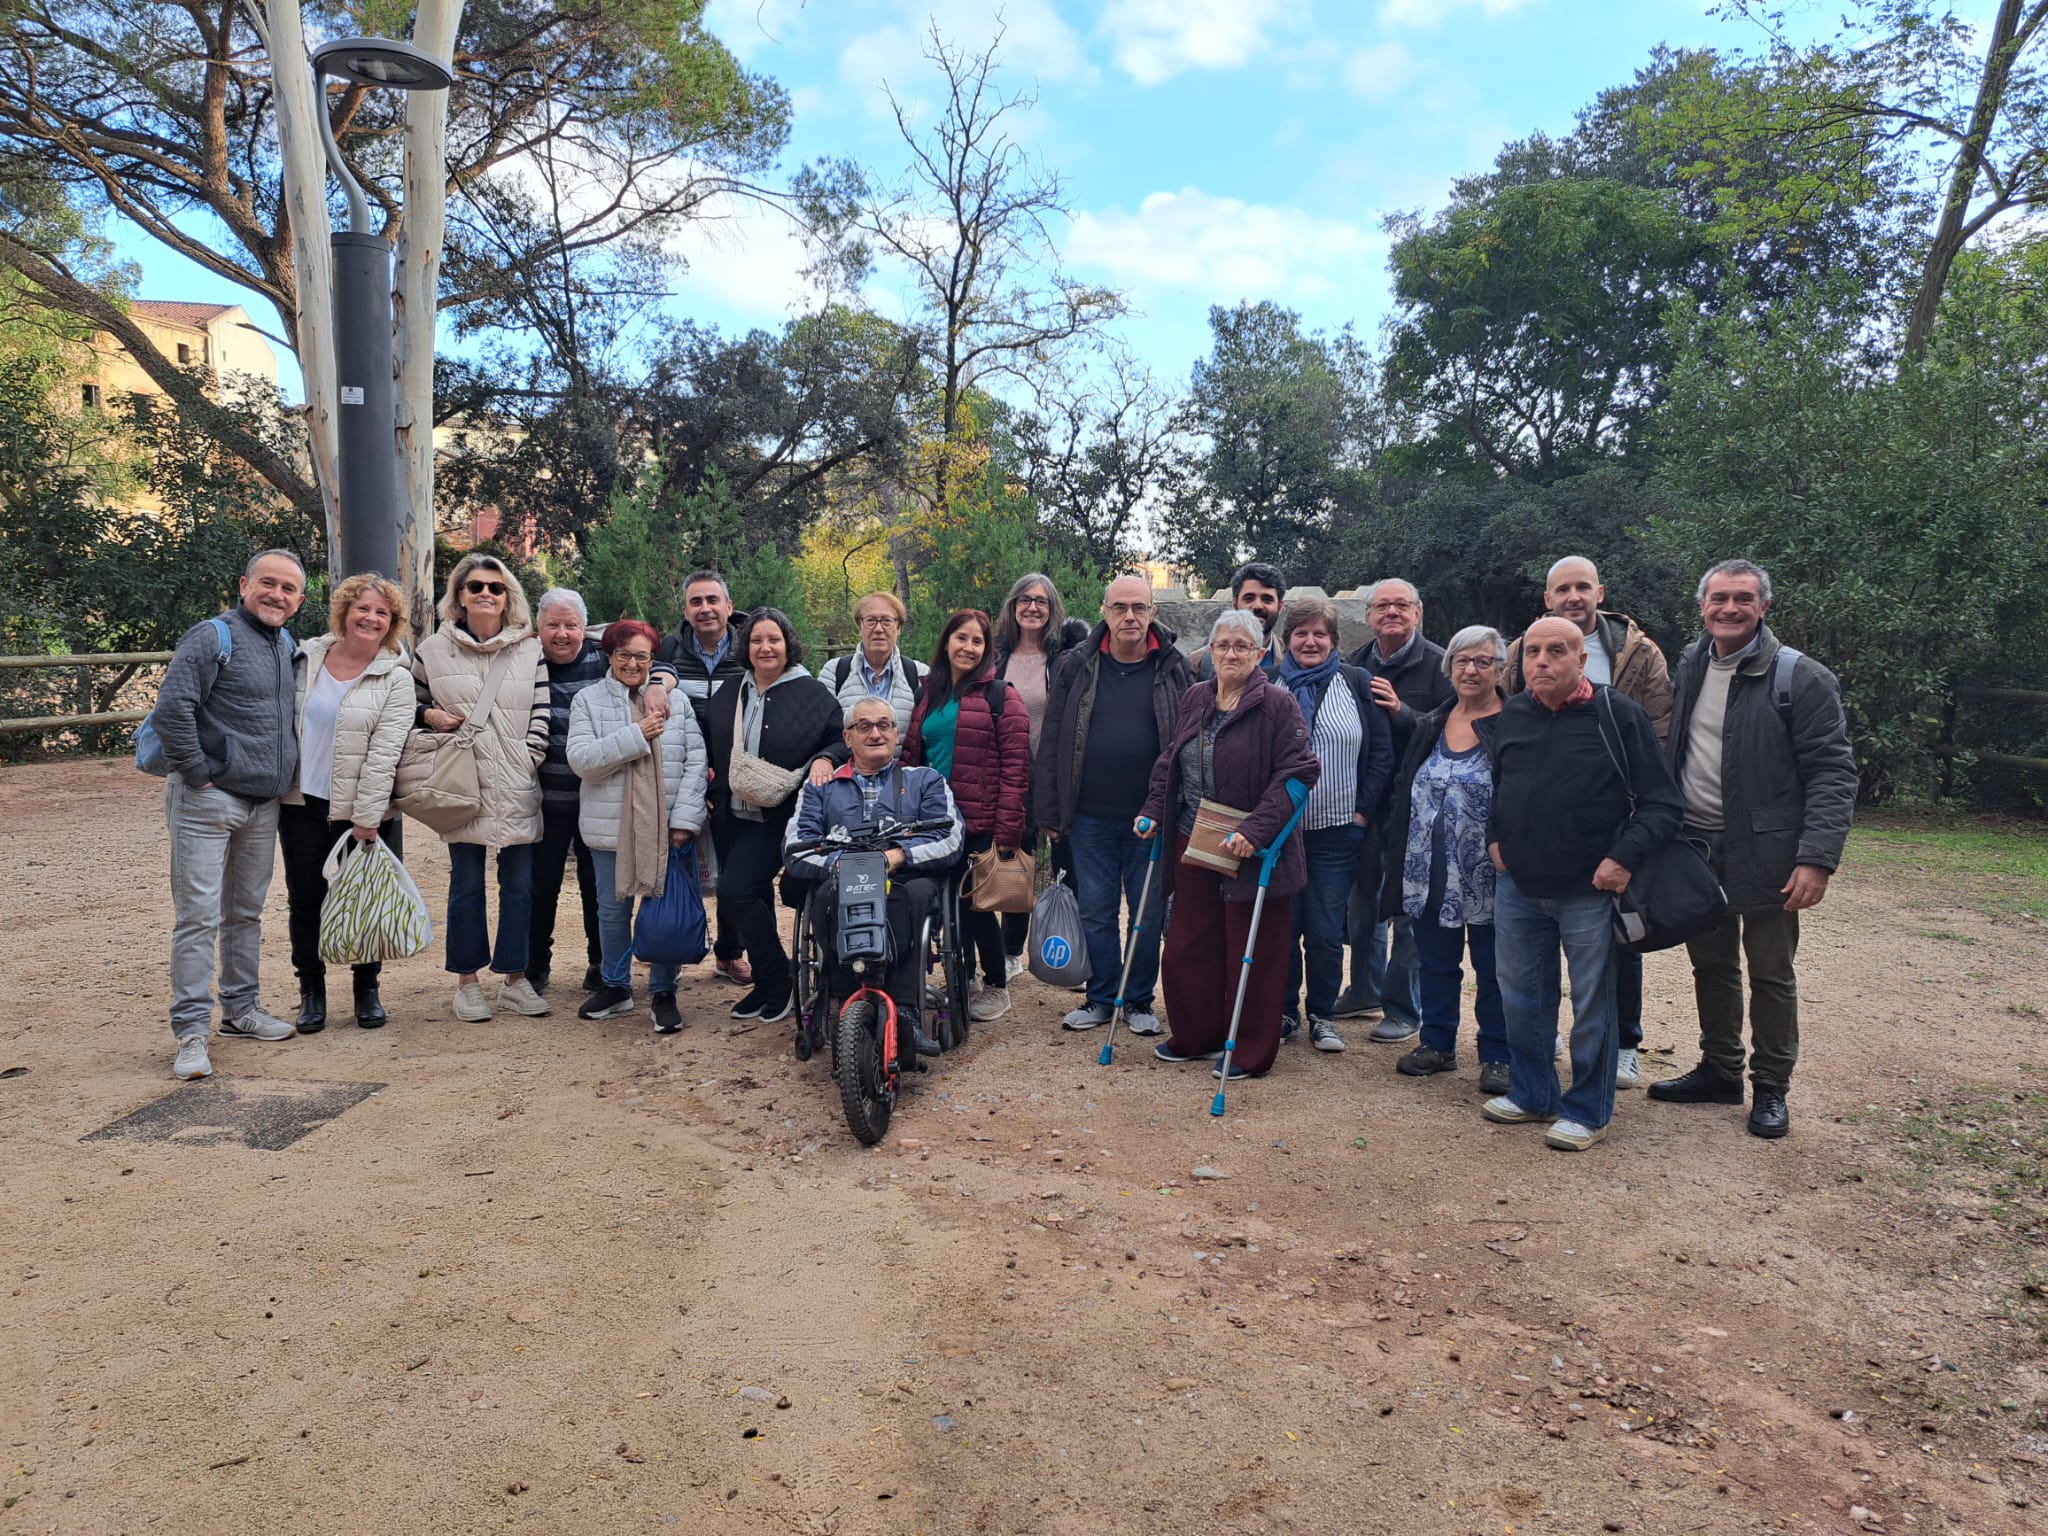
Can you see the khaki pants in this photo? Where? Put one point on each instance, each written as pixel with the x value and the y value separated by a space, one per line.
pixel 1769 941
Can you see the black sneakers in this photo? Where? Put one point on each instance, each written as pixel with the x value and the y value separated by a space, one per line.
pixel 668 1018
pixel 1423 1062
pixel 1768 1117
pixel 606 1003
pixel 1704 1084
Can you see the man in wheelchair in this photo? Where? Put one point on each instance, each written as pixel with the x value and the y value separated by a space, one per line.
pixel 869 789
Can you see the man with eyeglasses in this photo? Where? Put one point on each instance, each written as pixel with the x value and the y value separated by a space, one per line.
pixel 1260 590
pixel 879 669
pixel 1110 703
pixel 1408 681
pixel 1618 655
pixel 869 784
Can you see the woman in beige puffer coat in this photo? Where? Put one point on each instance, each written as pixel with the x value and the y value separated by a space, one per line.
pixel 355 707
pixel 484 616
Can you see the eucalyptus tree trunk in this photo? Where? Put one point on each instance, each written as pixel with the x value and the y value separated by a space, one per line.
pixel 412 311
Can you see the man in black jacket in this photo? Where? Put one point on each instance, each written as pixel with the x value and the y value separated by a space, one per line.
pixel 1260 590
pixel 704 651
pixel 1408 680
pixel 1581 796
pixel 1111 705
pixel 1761 750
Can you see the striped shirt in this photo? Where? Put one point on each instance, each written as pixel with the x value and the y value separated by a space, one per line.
pixel 1335 741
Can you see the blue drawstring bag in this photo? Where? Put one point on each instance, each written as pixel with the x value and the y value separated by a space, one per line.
pixel 670 929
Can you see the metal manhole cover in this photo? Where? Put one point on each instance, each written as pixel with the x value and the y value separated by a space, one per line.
pixel 268 1115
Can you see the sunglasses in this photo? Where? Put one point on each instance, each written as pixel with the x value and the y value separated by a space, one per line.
pixel 495 588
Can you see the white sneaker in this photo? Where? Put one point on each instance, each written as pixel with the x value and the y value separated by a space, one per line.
pixel 1628 1072
pixel 1143 1021
pixel 192 1059
pixel 1570 1136
pixel 518 995
pixel 1088 1016
pixel 1505 1111
pixel 1014 967
pixel 470 1003
pixel 257 1025
pixel 988 1003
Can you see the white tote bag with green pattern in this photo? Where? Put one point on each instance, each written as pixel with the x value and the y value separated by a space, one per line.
pixel 372 910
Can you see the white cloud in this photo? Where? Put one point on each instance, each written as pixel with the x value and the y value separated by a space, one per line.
pixel 1155 40
pixel 1427 13
pixel 1380 71
pixel 1036 41
pixel 1226 247
pixel 744 269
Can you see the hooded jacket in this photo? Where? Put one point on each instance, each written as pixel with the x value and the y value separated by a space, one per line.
pixel 1069 704
pixel 1639 669
pixel 604 738
pixel 991 777
pixel 1258 749
pixel 448 673
pixel 370 727
pixel 1788 788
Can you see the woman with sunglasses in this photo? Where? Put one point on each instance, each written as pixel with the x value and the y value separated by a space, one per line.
pixel 484 617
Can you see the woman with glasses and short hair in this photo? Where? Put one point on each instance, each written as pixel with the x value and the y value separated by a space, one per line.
pixel 878 669
pixel 484 618
pixel 1438 873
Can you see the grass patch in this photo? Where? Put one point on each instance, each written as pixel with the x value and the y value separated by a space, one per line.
pixel 1995 866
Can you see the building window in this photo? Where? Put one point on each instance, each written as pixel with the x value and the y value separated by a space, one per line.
pixel 89 396
pixel 184 354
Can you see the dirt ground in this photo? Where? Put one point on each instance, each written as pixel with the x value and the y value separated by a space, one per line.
pixel 567 1277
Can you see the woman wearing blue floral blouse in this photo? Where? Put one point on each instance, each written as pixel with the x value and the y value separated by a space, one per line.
pixel 1437 824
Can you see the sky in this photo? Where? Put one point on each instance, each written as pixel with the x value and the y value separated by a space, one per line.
pixel 1212 150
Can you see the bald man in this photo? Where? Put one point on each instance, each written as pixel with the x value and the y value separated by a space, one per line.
pixel 1619 654
pixel 1569 757
pixel 1111 703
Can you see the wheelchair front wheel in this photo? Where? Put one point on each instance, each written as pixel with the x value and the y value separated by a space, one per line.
pixel 865 1090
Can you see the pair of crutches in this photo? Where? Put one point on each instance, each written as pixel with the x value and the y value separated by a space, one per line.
pixel 1298 793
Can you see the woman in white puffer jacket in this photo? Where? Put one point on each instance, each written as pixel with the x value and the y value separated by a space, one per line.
pixel 355 704
pixel 643 790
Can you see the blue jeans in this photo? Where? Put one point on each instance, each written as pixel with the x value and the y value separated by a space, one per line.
pixel 1389 983
pixel 615 929
pixel 1527 933
pixel 469 933
pixel 1109 872
pixel 1319 916
pixel 1439 951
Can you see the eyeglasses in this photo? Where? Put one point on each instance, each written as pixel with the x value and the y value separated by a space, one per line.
pixel 637 658
pixel 1127 610
pixel 872 728
pixel 1391 605
pixel 476 588
pixel 1474 663
pixel 1034 602
pixel 877 621
pixel 1233 648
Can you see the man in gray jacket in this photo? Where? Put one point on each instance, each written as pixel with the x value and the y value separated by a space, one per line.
pixel 230 738
pixel 1761 751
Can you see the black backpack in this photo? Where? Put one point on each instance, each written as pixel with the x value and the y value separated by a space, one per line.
pixel 1675 895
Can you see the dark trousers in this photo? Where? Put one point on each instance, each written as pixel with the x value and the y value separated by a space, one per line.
pixel 1017 925
pixel 1440 952
pixel 1319 916
pixel 304 835
pixel 1628 997
pixel 1769 942
pixel 558 839
pixel 910 902
pixel 1204 955
pixel 984 930
pixel 749 857
pixel 469 932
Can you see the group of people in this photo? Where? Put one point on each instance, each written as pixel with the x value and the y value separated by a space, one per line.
pixel 1476 804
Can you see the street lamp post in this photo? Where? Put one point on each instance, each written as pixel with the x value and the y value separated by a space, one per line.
pixel 368 494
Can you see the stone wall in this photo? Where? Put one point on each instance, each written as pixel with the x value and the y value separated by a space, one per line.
pixel 1190 617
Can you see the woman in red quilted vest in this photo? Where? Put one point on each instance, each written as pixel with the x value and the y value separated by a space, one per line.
pixel 970 726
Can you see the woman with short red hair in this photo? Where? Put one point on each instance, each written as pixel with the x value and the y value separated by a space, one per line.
pixel 643 793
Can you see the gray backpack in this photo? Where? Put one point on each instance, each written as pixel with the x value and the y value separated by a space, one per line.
pixel 1057 949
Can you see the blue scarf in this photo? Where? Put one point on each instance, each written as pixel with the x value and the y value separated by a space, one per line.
pixel 1307 683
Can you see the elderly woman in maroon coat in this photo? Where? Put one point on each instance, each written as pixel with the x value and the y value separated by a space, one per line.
pixel 971 727
pixel 1241 738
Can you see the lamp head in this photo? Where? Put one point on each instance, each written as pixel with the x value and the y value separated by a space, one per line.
pixel 382 61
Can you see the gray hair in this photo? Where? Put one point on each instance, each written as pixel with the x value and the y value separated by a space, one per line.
pixel 562 597
pixel 249 570
pixel 1736 568
pixel 1393 581
pixel 692 580
pixel 846 715
pixel 1240 618
pixel 1471 638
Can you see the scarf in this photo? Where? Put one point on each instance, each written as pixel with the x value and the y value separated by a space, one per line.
pixel 642 857
pixel 1307 683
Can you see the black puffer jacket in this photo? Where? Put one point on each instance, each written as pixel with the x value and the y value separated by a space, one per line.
pixel 799 720
pixel 1070 701
pixel 1788 788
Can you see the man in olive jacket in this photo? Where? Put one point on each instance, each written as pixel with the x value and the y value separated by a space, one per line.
pixel 1761 751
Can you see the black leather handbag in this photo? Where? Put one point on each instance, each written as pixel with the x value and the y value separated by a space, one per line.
pixel 1674 896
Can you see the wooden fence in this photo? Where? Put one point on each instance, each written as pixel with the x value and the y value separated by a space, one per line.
pixel 128 662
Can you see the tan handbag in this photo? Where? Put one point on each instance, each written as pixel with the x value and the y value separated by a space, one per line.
pixel 999 882
pixel 1214 822
pixel 754 779
pixel 438 784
